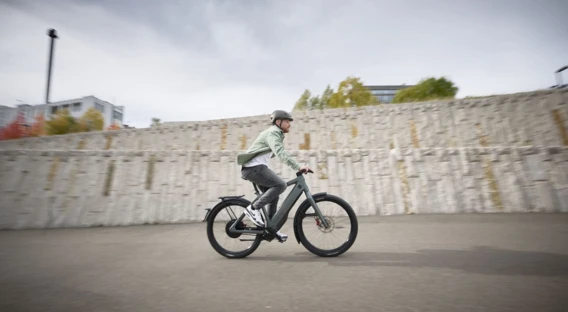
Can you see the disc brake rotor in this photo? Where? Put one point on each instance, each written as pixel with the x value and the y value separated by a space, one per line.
pixel 330 222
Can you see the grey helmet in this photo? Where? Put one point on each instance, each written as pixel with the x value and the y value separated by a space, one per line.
pixel 280 114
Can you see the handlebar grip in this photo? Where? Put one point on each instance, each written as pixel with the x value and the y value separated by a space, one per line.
pixel 300 172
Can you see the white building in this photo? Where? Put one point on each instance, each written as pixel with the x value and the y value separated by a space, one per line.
pixel 77 107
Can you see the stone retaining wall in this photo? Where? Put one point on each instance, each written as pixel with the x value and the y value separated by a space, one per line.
pixel 47 189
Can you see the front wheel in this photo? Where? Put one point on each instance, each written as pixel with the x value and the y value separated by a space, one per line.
pixel 342 228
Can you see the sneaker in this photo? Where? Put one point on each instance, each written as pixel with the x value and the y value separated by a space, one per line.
pixel 254 215
pixel 282 235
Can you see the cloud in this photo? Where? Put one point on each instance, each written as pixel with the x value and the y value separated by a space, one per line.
pixel 130 64
pixel 198 60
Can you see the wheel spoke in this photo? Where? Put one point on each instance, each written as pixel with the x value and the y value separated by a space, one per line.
pixel 338 236
pixel 232 245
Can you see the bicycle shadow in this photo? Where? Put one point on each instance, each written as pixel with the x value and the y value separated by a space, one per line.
pixel 480 260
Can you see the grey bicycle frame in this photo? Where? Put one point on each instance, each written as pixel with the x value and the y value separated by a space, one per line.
pixel 300 188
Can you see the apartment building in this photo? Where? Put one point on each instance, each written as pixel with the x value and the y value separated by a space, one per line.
pixel 77 107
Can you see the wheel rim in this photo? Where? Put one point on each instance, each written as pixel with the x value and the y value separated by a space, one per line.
pixel 231 243
pixel 339 232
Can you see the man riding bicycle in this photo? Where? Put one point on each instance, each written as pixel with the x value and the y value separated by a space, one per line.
pixel 255 169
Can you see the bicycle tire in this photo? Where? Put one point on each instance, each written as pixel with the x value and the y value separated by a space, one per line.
pixel 352 235
pixel 211 237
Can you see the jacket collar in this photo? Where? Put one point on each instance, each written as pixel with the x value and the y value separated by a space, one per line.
pixel 274 127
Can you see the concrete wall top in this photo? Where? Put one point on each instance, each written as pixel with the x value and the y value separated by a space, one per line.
pixel 524 119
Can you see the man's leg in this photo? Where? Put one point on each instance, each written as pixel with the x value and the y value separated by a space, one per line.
pixel 263 176
pixel 273 205
pixel 266 179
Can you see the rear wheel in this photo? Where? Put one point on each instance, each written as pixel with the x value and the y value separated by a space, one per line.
pixel 340 234
pixel 231 245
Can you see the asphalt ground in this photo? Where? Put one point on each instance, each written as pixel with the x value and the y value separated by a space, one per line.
pixel 485 262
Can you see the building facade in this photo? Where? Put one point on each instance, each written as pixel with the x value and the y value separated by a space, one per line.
pixel 77 107
pixel 385 94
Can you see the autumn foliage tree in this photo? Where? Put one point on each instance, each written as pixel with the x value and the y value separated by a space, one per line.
pixel 39 126
pixel 16 129
pixel 350 93
pixel 113 127
pixel 60 123
pixel 64 123
pixel 92 120
pixel 304 101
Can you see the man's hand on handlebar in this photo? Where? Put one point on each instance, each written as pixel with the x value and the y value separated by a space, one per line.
pixel 305 169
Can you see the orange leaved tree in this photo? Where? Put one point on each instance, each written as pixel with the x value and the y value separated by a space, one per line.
pixel 16 129
pixel 39 126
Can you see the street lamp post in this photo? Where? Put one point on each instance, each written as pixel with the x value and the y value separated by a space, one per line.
pixel 53 35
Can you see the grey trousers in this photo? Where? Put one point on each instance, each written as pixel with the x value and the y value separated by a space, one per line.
pixel 268 182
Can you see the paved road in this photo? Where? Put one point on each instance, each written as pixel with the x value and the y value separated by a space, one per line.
pixel 399 263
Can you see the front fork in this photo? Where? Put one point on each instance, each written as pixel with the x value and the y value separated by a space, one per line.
pixel 317 210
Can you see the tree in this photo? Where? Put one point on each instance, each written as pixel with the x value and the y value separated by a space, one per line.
pixel 39 126
pixel 16 129
pixel 427 89
pixel 155 122
pixel 62 123
pixel 304 101
pixel 314 102
pixel 325 98
pixel 113 127
pixel 92 120
pixel 352 93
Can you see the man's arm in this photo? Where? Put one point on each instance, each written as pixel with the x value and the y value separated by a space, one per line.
pixel 277 147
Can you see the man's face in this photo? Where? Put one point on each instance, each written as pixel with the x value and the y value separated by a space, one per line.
pixel 284 125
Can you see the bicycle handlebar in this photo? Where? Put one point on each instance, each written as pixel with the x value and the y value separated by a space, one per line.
pixel 299 173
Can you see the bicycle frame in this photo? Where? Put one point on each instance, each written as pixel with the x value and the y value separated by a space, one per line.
pixel 300 187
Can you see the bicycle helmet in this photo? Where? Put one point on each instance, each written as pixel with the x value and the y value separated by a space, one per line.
pixel 280 114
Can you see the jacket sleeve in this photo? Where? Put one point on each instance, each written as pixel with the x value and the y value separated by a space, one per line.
pixel 275 142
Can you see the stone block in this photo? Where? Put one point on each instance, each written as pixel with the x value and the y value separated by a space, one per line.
pixel 562 195
pixel 546 199
pixel 560 154
pixel 536 167
pixel 559 176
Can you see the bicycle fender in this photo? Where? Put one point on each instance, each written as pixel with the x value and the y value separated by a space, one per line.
pixel 306 202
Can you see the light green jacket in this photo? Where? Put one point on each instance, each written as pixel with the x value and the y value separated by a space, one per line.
pixel 269 140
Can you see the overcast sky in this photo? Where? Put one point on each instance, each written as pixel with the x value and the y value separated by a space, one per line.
pixel 198 60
